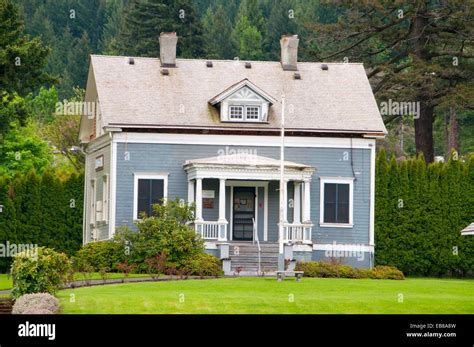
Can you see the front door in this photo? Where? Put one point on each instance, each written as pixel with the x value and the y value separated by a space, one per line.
pixel 243 213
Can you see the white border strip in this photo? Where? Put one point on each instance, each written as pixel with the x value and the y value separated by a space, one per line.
pixel 242 140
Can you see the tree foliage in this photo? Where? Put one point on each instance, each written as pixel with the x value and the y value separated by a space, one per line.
pixel 420 211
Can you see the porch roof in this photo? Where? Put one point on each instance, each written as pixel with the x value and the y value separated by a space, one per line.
pixel 245 166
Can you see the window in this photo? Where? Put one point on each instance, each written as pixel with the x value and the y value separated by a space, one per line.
pixel 336 201
pixel 252 112
pixel 105 198
pixel 247 113
pixel 236 112
pixel 148 190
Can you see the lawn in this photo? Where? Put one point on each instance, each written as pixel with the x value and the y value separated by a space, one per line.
pixel 6 280
pixel 266 295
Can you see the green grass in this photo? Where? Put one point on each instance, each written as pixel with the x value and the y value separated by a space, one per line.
pixel 6 280
pixel 266 295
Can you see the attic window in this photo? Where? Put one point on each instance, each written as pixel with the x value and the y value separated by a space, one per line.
pixel 243 102
pixel 236 112
pixel 244 113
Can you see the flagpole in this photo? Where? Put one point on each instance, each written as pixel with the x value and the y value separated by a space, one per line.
pixel 281 261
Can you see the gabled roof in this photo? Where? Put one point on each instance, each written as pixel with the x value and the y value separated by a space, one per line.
pixel 469 230
pixel 338 100
pixel 234 88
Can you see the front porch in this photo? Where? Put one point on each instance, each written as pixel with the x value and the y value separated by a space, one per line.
pixel 237 199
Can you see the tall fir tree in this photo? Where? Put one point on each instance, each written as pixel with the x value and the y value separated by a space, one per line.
pixel 247 40
pixel 146 19
pixel 217 30
pixel 282 21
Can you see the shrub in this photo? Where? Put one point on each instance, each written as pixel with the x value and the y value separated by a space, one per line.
pixel 99 255
pixel 42 270
pixel 387 272
pixel 322 269
pixel 38 303
pixel 167 232
pixel 204 265
pixel 156 265
pixel 126 268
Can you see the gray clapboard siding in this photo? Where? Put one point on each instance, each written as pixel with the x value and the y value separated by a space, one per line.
pixel 329 162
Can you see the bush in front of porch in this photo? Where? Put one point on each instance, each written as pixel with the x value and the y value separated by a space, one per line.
pixel 163 242
pixel 327 270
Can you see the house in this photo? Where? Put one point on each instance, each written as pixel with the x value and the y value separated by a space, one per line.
pixel 208 131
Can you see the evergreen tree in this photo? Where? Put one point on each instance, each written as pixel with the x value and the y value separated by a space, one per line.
pixel 252 10
pixel 113 24
pixel 217 30
pixel 281 22
pixel 22 62
pixel 145 20
pixel 416 51
pixel 248 40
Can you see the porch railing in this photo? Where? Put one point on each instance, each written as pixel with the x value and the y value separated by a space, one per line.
pixel 297 232
pixel 211 230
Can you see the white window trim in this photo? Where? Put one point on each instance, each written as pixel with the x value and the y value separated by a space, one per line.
pixel 336 180
pixel 153 176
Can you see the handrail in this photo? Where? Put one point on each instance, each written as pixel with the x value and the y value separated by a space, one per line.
pixel 255 238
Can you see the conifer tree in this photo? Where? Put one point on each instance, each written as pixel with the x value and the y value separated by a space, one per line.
pixel 217 30
pixel 145 20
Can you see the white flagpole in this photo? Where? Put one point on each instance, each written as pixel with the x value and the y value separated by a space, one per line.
pixel 282 185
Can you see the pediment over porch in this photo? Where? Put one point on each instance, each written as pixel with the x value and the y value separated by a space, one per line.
pixel 246 166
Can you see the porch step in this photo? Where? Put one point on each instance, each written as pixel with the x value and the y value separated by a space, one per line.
pixel 245 257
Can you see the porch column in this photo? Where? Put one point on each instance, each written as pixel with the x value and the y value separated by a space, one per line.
pixel 222 200
pixel 297 203
pixel 190 192
pixel 199 199
pixel 307 201
pixel 222 227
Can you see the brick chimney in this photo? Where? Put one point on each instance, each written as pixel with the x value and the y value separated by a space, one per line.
pixel 168 43
pixel 289 52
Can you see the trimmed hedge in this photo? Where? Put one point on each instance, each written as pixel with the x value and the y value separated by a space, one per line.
pixel 327 270
pixel 44 210
pixel 420 211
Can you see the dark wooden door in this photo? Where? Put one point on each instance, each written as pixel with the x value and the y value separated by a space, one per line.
pixel 244 212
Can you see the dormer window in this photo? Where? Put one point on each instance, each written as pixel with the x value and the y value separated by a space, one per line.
pixel 244 113
pixel 236 112
pixel 252 113
pixel 243 102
